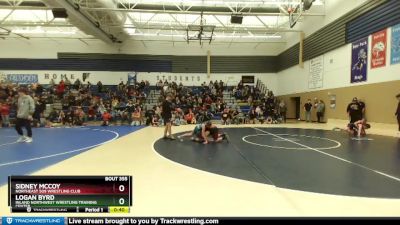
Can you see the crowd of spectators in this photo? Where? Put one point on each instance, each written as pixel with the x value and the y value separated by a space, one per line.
pixel 196 105
pixel 264 106
pixel 77 103
pixel 192 105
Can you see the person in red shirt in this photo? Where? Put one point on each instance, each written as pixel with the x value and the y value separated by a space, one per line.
pixel 190 117
pixel 106 118
pixel 61 89
pixel 91 113
pixel 5 114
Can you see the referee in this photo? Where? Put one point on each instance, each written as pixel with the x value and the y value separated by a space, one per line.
pixel 166 113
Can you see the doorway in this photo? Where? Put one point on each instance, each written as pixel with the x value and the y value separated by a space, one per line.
pixel 295 104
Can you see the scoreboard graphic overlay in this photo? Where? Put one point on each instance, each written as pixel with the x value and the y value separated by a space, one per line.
pixel 59 194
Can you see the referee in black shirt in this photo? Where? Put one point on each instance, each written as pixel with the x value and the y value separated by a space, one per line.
pixel 166 113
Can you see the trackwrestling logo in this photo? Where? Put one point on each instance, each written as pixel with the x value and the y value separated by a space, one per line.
pixel 9 220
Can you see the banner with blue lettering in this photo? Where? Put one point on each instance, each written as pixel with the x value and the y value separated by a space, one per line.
pixel 395 58
pixel 132 78
pixel 22 78
pixel 359 60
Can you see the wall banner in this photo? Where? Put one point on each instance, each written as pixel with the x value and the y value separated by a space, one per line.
pixel 359 60
pixel 316 74
pixel 378 51
pixel 395 56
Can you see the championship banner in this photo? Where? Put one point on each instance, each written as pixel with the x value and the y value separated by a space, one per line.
pixel 359 60
pixel 378 52
pixel 395 58
pixel 316 74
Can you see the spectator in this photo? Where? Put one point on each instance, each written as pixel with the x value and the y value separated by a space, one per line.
pixel 225 117
pixel 80 116
pixel 190 117
pixel 91 113
pixel 136 118
pixel 307 109
pixel 282 110
pixel 62 117
pixel 99 87
pixel 320 110
pixel 5 114
pixel 252 116
pixel 106 118
pixel 149 114
pixel 61 89
pixel 156 121
pixel 53 116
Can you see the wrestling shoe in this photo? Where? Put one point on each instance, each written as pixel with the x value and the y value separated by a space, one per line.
pixel 21 139
pixel 28 140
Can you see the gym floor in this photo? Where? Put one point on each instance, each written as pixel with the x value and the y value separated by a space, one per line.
pixel 296 169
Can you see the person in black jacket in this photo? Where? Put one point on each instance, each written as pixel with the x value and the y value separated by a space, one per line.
pixel 166 113
pixel 398 112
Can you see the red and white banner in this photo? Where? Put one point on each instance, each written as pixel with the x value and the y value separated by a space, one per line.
pixel 378 49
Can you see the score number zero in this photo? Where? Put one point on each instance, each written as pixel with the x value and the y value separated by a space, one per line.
pixel 121 187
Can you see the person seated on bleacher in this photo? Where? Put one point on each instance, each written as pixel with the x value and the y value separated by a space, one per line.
pixel 225 117
pixel 241 115
pixel 53 116
pixel 213 107
pixel 260 115
pixel 136 118
pixel 156 121
pixel 190 117
pixel 252 116
pixel 62 117
pixel 177 117
pixel 159 84
pixel 79 116
pixel 149 116
pixel 102 108
pixel 106 118
pixel 91 114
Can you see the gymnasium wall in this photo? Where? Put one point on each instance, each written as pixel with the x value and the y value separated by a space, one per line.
pixel 43 48
pixel 378 91
pixel 196 79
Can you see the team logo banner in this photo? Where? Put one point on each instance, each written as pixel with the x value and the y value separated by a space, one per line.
pixel 378 52
pixel 395 58
pixel 22 78
pixel 359 60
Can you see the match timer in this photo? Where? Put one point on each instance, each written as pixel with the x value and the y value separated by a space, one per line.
pixel 56 194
